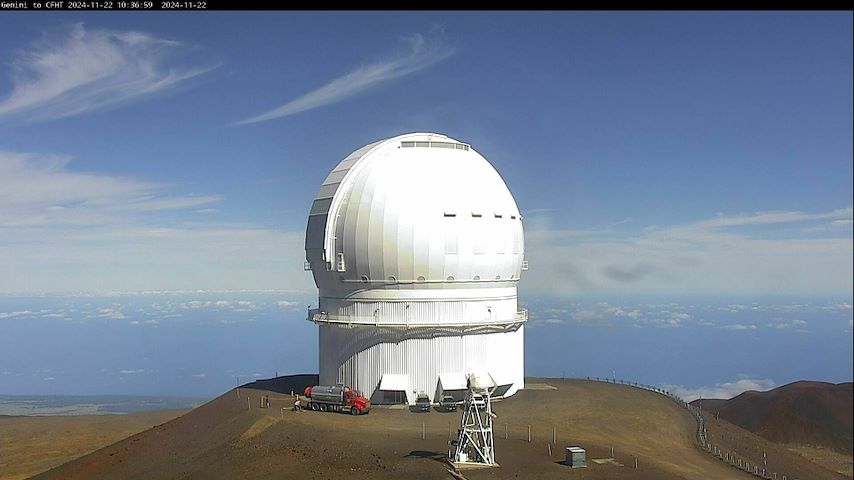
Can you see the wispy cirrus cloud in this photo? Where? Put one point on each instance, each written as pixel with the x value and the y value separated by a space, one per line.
pixel 767 218
pixel 422 54
pixel 62 229
pixel 42 190
pixel 87 70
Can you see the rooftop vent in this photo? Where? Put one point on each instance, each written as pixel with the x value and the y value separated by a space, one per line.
pixel 451 145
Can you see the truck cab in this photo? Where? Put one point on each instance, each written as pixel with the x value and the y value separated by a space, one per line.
pixel 357 402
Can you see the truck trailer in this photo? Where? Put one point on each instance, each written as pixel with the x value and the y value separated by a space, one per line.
pixel 337 398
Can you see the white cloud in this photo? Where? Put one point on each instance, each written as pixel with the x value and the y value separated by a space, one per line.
pixel 834 226
pixel 838 306
pixel 85 70
pixel 721 390
pixel 112 313
pixel 671 319
pixel 20 313
pixel 132 372
pixel 422 54
pixel 796 325
pixel 587 316
pixel 767 218
pixel 737 326
pixel 200 375
pixel 658 316
pixel 40 190
pixel 62 229
pixel 288 304
pixel 551 321
pixel 708 256
pixel 236 305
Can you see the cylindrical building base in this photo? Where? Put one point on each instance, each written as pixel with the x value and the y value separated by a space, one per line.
pixel 396 364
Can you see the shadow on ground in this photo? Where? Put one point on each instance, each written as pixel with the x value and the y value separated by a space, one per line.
pixel 437 457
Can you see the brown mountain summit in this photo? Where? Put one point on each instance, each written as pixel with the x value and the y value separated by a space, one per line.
pixel 800 413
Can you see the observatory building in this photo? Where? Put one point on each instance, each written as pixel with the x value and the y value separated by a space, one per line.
pixel 416 246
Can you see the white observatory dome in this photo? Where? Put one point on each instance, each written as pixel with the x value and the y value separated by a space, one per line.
pixel 417 230
pixel 417 211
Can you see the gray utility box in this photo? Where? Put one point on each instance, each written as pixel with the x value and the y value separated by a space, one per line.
pixel 576 457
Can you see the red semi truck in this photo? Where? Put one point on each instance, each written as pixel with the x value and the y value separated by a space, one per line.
pixel 337 398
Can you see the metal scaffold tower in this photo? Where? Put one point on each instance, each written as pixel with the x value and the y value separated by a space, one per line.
pixel 475 445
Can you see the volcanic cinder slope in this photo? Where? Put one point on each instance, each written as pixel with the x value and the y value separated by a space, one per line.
pixel 811 418
pixel 800 413
pixel 29 445
pixel 231 437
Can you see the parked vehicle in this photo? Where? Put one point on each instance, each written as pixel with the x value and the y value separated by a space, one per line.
pixel 422 403
pixel 448 404
pixel 337 398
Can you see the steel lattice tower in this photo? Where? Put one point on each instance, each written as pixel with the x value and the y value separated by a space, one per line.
pixel 476 443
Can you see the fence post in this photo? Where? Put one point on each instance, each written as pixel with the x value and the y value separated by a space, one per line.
pixel 505 431
pixel 529 433
pixel 554 435
pixel 422 430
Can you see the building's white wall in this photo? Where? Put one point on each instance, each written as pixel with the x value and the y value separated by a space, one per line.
pixel 359 356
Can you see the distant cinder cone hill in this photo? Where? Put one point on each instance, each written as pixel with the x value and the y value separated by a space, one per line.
pixel 800 413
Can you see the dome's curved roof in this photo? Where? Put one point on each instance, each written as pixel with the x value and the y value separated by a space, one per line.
pixel 419 210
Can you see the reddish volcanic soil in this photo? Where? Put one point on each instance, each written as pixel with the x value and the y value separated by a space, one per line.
pixel 232 437
pixel 800 413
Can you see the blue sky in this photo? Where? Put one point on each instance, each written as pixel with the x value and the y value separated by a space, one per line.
pixel 667 153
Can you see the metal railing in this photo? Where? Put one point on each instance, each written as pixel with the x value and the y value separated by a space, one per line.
pixel 317 316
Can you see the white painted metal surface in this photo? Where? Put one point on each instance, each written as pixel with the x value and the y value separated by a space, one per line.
pixel 453 381
pixel 475 441
pixel 393 382
pixel 416 246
